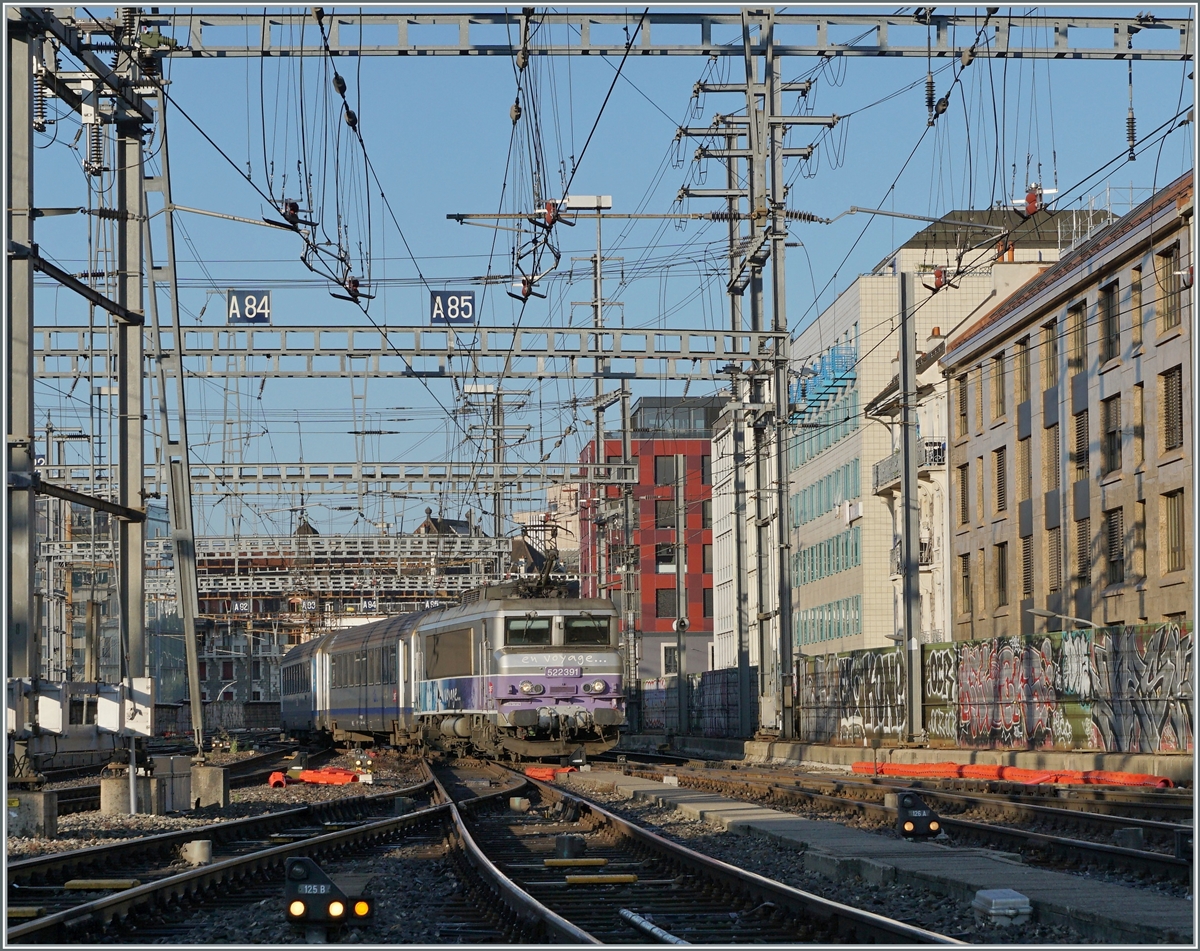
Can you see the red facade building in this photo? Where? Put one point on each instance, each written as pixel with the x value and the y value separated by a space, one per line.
pixel 662 429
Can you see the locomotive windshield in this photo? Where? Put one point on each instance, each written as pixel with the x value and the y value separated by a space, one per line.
pixel 526 631
pixel 585 630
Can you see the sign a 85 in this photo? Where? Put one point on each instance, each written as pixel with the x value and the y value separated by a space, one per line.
pixel 451 307
pixel 248 307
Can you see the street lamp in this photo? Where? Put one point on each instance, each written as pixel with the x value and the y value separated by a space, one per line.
pixel 1042 612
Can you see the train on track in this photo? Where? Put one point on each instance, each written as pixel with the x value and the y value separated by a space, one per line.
pixel 523 670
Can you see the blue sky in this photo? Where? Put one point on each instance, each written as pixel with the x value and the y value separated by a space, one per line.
pixel 437 131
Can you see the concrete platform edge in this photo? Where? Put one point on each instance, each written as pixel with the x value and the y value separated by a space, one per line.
pixel 1178 767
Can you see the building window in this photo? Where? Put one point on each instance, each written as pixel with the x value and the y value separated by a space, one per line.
pixel 1112 433
pixel 1050 355
pixel 706 513
pixel 1082 454
pixel 1077 342
pixel 979 398
pixel 708 602
pixel 1027 566
pixel 1024 469
pixel 202 670
pixel 1139 540
pixel 1083 551
pixel 664 513
pixel 256 695
pixel 1022 371
pixel 1054 559
pixel 1135 305
pixel 664 602
pixel 999 405
pixel 664 559
pixel 1139 423
pixel 1172 408
pixel 1173 530
pixel 982 576
pixel 226 670
pixel 1114 537
pixel 256 670
pixel 1002 574
pixel 227 695
pixel 1000 458
pixel 670 659
pixel 706 470
pixel 1052 459
pixel 961 389
pixel 1169 288
pixel 979 506
pixel 664 470
pixel 964 495
pixel 1110 323
pixel 964 574
pixel 706 554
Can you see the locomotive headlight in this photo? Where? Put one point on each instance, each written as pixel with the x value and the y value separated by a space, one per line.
pixel 530 689
pixel 336 909
pixel 596 686
pixel 296 909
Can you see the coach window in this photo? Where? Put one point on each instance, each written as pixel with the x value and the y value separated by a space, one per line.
pixel 585 630
pixel 526 631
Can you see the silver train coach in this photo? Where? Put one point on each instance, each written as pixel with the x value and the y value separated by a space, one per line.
pixel 504 673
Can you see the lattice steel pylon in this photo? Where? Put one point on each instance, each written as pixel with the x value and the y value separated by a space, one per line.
pixel 167 337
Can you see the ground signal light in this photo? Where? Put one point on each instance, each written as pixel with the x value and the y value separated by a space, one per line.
pixel 914 819
pixel 314 898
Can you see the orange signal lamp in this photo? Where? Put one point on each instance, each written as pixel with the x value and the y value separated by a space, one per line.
pixel 361 908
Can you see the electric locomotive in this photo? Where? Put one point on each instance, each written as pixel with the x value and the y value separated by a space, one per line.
pixel 522 670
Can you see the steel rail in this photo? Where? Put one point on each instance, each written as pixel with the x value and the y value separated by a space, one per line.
pixel 521 902
pixel 57 864
pixel 860 926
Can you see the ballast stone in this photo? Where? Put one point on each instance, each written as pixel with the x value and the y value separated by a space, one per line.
pixel 1003 906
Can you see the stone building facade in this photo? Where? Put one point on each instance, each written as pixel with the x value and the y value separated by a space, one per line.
pixel 1071 439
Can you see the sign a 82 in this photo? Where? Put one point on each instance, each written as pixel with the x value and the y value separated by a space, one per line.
pixel 248 307
pixel 451 307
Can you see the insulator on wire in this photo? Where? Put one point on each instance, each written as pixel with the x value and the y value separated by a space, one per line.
pixel 95 159
pixel 351 118
pixel 942 105
pixel 1131 134
pixel 515 112
pixel 968 56
pixel 929 95
pixel 39 103
pixel 339 84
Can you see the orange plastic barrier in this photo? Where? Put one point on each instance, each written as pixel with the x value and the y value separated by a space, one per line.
pixel 1012 774
pixel 329 776
pixel 278 780
pixel 544 774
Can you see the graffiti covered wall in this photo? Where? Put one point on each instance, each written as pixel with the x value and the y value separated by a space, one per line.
pixel 846 697
pixel 1126 689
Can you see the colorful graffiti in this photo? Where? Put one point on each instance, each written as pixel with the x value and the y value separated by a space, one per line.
pixel 1113 689
pixel 1118 690
pixel 849 698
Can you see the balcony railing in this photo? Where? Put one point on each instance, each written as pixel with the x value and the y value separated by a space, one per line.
pixel 924 559
pixel 931 453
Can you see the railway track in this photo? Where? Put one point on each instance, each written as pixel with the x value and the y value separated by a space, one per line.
pixel 252 771
pixel 633 885
pixel 465 820
pixel 74 896
pixel 1171 861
